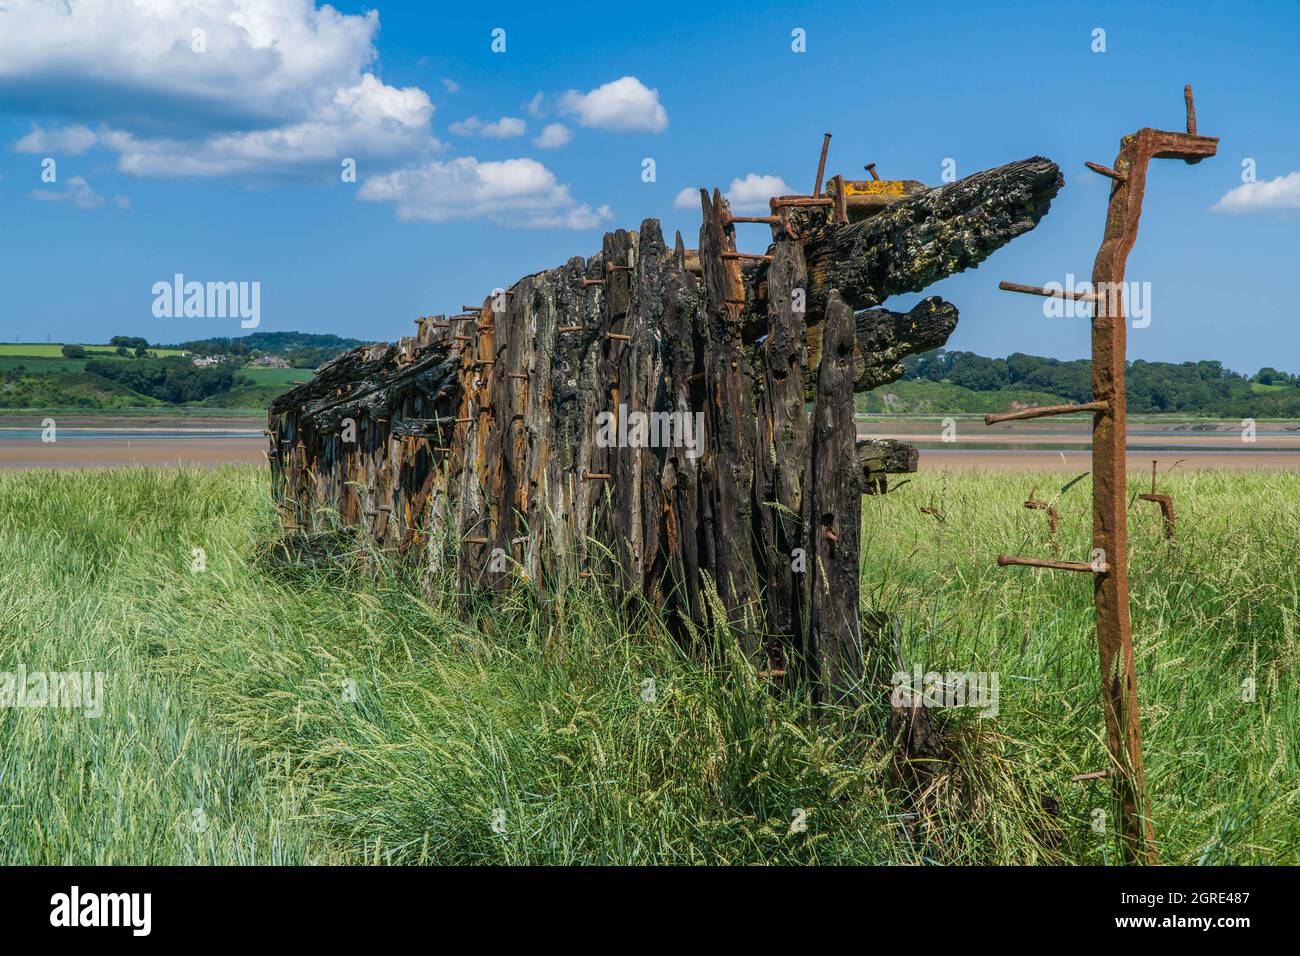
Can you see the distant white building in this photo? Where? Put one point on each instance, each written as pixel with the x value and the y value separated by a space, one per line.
pixel 271 361
pixel 209 360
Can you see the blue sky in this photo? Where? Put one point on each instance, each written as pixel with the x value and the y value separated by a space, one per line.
pixel 224 164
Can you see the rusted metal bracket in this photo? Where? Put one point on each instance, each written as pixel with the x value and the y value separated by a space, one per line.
pixel 1053 517
pixel 1109 434
pixel 1166 503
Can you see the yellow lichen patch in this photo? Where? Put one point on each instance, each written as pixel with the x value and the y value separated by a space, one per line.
pixel 875 187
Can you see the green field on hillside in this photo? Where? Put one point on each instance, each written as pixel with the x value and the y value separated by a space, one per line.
pixel 277 376
pixel 352 713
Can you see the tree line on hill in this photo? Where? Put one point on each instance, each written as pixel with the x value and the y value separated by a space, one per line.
pixel 1205 388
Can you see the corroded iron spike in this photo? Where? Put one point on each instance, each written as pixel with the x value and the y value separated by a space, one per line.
pixel 1045 410
pixel 821 164
pixel 1007 560
pixel 1050 293
pixel 779 202
pixel 1107 171
pixel 1093 775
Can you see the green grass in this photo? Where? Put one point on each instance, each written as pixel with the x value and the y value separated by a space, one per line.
pixel 277 376
pixel 229 691
pixel 40 364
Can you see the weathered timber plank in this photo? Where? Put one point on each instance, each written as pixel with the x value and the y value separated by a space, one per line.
pixel 834 521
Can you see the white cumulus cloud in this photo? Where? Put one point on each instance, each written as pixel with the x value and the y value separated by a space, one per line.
pixel 518 192
pixel 212 87
pixel 504 128
pixel 553 136
pixel 1276 194
pixel 746 195
pixel 623 104
pixel 688 198
pixel 70 140
pixel 79 194
pixel 752 193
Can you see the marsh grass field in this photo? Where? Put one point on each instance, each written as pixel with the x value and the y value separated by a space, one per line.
pixel 351 714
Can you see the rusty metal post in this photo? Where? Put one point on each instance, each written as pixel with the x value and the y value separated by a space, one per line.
pixel 1109 473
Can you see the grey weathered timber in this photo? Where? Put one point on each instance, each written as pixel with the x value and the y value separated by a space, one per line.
pixel 834 514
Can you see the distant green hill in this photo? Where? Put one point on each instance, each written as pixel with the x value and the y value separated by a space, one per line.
pixel 944 398
pixel 945 381
pixel 40 376
pixel 302 349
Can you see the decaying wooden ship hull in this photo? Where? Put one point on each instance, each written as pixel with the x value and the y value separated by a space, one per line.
pixel 669 423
